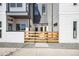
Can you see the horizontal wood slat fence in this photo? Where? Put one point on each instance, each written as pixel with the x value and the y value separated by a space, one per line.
pixel 50 37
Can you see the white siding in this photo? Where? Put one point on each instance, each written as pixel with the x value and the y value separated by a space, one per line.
pixel 69 7
pixel 3 20
pixel 55 17
pixel 15 37
pixel 68 14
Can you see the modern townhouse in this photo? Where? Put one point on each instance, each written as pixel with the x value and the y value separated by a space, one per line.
pixel 18 18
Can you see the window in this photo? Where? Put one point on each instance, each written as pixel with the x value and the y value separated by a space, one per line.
pixel 0 4
pixel 74 3
pixel 17 27
pixel 43 8
pixel 45 28
pixel 41 28
pixel 19 4
pixel 10 27
pixel 12 4
pixel 36 28
pixel 0 24
pixel 74 29
pixel 0 33
pixel 15 4
pixel 20 27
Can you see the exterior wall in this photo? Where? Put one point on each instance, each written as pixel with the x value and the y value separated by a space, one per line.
pixel 49 17
pixel 53 17
pixel 67 14
pixel 15 37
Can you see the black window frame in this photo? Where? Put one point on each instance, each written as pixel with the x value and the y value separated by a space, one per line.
pixel 0 24
pixel 74 29
pixel 0 4
pixel 0 33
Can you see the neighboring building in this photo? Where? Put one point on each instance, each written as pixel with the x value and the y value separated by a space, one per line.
pixel 46 16
pixel 16 18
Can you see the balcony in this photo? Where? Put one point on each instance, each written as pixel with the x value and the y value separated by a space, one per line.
pixel 17 9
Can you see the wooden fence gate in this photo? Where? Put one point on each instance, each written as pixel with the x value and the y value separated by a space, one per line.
pixel 41 37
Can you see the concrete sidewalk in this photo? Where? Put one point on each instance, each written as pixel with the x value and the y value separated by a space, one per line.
pixel 40 49
pixel 38 52
pixel 45 52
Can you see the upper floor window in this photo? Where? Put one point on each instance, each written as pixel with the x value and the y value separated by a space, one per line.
pixel 12 5
pixel 19 4
pixel 15 4
pixel 43 8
